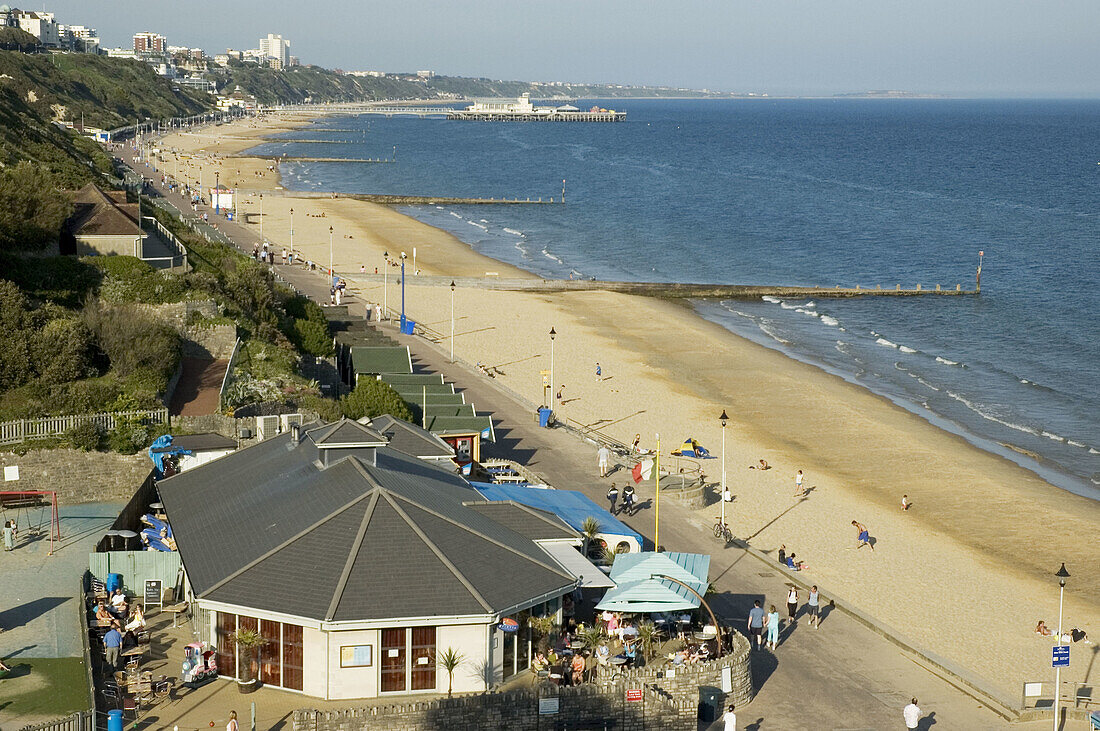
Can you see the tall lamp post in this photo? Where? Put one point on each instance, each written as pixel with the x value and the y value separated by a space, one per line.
pixel 291 230
pixel 386 286
pixel 330 252
pixel 261 217
pixel 403 257
pixel 552 381
pixel 1062 575
pixel 723 419
pixel 452 321
pixel 217 185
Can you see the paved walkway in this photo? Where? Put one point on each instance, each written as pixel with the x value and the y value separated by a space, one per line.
pixel 841 676
pixel 199 389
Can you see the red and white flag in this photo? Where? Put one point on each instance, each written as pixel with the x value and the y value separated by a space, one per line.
pixel 643 470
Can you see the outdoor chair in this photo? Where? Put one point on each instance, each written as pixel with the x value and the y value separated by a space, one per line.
pixel 111 695
pixel 130 706
pixel 162 688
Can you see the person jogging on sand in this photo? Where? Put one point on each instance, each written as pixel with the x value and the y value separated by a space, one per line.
pixel 862 536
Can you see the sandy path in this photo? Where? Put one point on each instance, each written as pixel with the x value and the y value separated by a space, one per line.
pixel 965 574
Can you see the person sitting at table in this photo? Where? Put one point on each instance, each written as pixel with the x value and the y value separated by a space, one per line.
pixel 603 654
pixel 129 641
pixel 104 614
pixel 680 658
pixel 612 622
pixel 137 619
pixel 118 604
pixel 701 653
pixel 578 668
pixel 540 663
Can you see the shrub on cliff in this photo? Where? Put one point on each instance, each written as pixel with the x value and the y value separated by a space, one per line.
pixel 133 340
pixel 86 437
pixel 32 208
pixel 372 397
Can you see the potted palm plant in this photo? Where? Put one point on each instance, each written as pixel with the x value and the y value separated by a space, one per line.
pixel 248 642
pixel 590 530
pixel 647 635
pixel 449 660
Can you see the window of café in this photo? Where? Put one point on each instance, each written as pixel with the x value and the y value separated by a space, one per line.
pixel 517 645
pixel 407 659
pixel 280 656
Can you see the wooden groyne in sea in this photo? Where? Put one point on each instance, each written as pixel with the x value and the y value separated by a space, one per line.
pixel 420 200
pixel 678 290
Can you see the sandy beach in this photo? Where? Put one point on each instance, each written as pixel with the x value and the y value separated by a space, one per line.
pixel 965 574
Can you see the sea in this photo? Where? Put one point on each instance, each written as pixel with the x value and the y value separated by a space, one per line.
pixel 868 192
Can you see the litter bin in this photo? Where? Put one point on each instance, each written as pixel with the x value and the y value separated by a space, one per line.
pixel 408 327
pixel 229 215
pixel 114 720
pixel 544 416
pixel 114 581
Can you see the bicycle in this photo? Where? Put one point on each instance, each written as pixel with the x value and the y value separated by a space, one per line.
pixel 722 530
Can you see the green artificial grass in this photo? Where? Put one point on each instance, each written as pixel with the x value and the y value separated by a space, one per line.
pixel 42 689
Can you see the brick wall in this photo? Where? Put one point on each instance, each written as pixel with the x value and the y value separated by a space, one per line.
pixel 214 341
pixel 78 477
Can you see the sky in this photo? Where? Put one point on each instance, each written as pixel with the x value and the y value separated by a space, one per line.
pixel 1045 48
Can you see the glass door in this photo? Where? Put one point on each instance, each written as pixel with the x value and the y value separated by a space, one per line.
pixel 392 662
pixel 423 658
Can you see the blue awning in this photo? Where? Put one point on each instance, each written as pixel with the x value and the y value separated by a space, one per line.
pixel 569 505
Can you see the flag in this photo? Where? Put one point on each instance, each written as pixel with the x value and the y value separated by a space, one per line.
pixel 642 470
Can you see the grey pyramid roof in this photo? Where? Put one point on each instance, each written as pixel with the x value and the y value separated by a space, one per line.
pixel 538 525
pixel 345 433
pixel 379 534
pixel 410 438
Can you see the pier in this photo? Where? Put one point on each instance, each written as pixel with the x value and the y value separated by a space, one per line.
pixel 273 139
pixel 676 290
pixel 295 158
pixel 418 200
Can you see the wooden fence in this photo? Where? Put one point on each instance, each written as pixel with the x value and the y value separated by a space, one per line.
pixel 13 432
pixel 80 721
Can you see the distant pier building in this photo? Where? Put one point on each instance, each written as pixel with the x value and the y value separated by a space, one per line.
pixel 522 110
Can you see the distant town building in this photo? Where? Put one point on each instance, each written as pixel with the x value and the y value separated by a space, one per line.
pixel 41 25
pixel 425 74
pixel 222 59
pixel 122 53
pixel 197 82
pixel 294 61
pixel 80 38
pixel 150 43
pixel 276 49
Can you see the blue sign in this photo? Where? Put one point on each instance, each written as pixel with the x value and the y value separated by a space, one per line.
pixel 1059 656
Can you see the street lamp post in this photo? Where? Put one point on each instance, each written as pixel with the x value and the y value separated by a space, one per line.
pixel 330 252
pixel 1062 575
pixel 452 321
pixel 552 381
pixel 403 257
pixel 723 419
pixel 261 217
pixel 291 230
pixel 386 286
pixel 217 184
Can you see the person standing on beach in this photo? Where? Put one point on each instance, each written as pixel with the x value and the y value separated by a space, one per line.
pixel 862 536
pixel 604 456
pixel 905 504
pixel 911 713
pixel 813 607
pixel 798 491
pixel 792 603
pixel 599 372
pixel 756 623
pixel 613 496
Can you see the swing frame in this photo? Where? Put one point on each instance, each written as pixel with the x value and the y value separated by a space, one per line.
pixel 12 499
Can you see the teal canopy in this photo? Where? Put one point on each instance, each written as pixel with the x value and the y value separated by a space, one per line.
pixel 639 588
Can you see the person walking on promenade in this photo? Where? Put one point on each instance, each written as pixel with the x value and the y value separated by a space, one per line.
pixel 613 496
pixel 911 713
pixel 862 536
pixel 232 725
pixel 798 490
pixel 112 646
pixel 792 604
pixel 813 607
pixel 756 624
pixel 604 456
pixel 628 499
pixel 771 622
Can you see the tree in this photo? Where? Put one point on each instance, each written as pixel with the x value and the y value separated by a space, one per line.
pixel 248 642
pixel 449 660
pixel 590 530
pixel 372 397
pixel 32 208
pixel 15 344
pixel 62 351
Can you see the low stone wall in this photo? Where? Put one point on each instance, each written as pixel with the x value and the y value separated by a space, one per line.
pixel 200 341
pixel 227 426
pixel 78 477
pixel 586 706
pixel 693 683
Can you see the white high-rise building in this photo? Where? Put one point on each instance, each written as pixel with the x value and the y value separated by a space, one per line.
pixel 41 25
pixel 277 48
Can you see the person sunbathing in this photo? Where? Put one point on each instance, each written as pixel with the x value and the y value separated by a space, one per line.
pixel 763 465
pixel 1043 630
pixel 794 564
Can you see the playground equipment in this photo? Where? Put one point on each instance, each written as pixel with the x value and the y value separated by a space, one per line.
pixel 200 666
pixel 36 510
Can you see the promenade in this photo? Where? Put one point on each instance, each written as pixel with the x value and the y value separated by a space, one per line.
pixel 841 676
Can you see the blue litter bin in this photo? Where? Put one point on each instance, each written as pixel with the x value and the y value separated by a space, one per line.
pixel 114 721
pixel 544 416
pixel 408 327
pixel 229 215
pixel 114 581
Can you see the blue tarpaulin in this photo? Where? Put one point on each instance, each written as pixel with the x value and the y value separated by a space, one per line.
pixel 569 505
pixel 161 448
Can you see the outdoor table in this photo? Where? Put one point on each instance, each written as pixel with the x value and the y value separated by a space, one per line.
pixel 156 506
pixel 113 536
pixel 577 644
pixel 618 660
pixel 128 537
pixel 176 610
pixel 134 652
pixel 704 636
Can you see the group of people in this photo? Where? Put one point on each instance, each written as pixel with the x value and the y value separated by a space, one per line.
pixel 123 622
pixel 1071 635
pixel 629 499
pixel 790 560
pixel 764 627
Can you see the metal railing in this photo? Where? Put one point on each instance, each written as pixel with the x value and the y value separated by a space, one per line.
pixel 19 430
pixel 180 257
pixel 226 380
